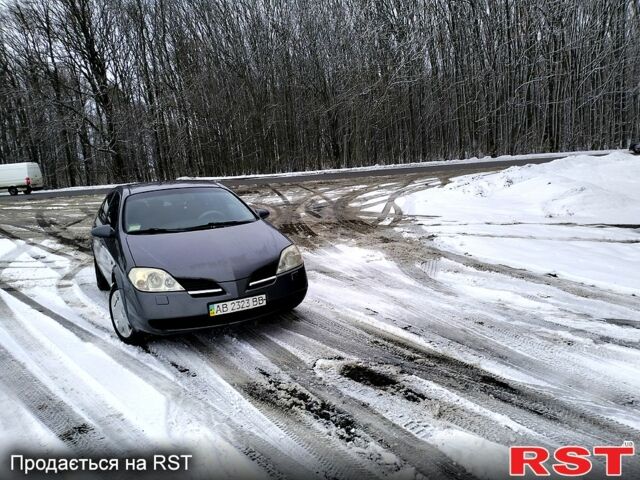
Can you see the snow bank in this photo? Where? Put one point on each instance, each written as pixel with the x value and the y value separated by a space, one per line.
pixel 579 189
pixel 556 218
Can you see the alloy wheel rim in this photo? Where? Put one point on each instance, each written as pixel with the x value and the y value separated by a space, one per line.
pixel 119 315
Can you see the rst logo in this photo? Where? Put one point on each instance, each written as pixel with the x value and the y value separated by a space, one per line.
pixel 569 461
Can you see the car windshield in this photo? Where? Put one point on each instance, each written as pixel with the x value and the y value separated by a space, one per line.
pixel 183 209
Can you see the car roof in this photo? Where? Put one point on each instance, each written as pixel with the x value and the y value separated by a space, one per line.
pixel 155 186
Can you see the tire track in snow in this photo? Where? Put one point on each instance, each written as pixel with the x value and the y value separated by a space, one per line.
pixel 70 427
pixel 116 429
pixel 535 410
pixel 506 341
pixel 492 334
pixel 49 227
pixel 12 236
pixel 172 365
pixel 291 223
pixel 178 364
pixel 407 387
pixel 427 460
pixel 196 406
pixel 66 288
pixel 522 352
pixel 292 464
pixel 335 462
pixel 568 286
pixel 376 352
pixel 343 205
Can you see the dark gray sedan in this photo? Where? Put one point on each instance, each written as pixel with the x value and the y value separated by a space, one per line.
pixel 181 256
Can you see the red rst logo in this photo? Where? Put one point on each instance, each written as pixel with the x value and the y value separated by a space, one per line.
pixel 570 460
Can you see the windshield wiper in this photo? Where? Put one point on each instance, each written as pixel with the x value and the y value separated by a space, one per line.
pixel 152 231
pixel 206 226
pixel 210 225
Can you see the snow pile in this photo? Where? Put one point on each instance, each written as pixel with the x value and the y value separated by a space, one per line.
pixel 557 218
pixel 580 189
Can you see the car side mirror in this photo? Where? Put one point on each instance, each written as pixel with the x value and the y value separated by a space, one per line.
pixel 262 212
pixel 103 231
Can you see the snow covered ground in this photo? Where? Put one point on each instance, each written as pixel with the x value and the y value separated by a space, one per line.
pixel 409 359
pixel 578 218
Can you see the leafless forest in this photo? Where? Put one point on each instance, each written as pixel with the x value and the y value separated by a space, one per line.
pixel 117 90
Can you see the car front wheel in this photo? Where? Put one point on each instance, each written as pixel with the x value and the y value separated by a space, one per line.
pixel 120 319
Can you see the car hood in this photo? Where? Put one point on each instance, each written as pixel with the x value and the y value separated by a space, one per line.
pixel 220 254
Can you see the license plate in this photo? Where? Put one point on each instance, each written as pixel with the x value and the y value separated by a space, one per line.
pixel 239 305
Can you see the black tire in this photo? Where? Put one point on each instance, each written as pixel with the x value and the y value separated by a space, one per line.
pixel 134 337
pixel 102 282
pixel 13 191
pixel 635 148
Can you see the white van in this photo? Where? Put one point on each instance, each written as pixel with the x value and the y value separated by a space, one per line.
pixel 25 176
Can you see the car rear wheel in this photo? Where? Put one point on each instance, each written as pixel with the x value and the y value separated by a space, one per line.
pixel 13 191
pixel 100 280
pixel 120 319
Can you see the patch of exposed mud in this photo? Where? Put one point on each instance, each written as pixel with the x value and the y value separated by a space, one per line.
pixel 365 375
pixel 290 397
pixel 182 369
pixel 74 434
pixel 297 229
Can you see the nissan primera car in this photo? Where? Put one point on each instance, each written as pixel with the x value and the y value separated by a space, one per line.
pixel 182 256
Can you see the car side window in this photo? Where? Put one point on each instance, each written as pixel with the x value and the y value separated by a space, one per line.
pixel 104 208
pixel 113 210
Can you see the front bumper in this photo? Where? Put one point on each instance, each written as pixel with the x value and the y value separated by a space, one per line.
pixel 169 312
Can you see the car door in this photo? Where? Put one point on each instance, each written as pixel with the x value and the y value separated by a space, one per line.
pixel 102 247
pixel 112 245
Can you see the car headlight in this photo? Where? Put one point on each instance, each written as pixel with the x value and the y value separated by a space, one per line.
pixel 290 258
pixel 153 280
